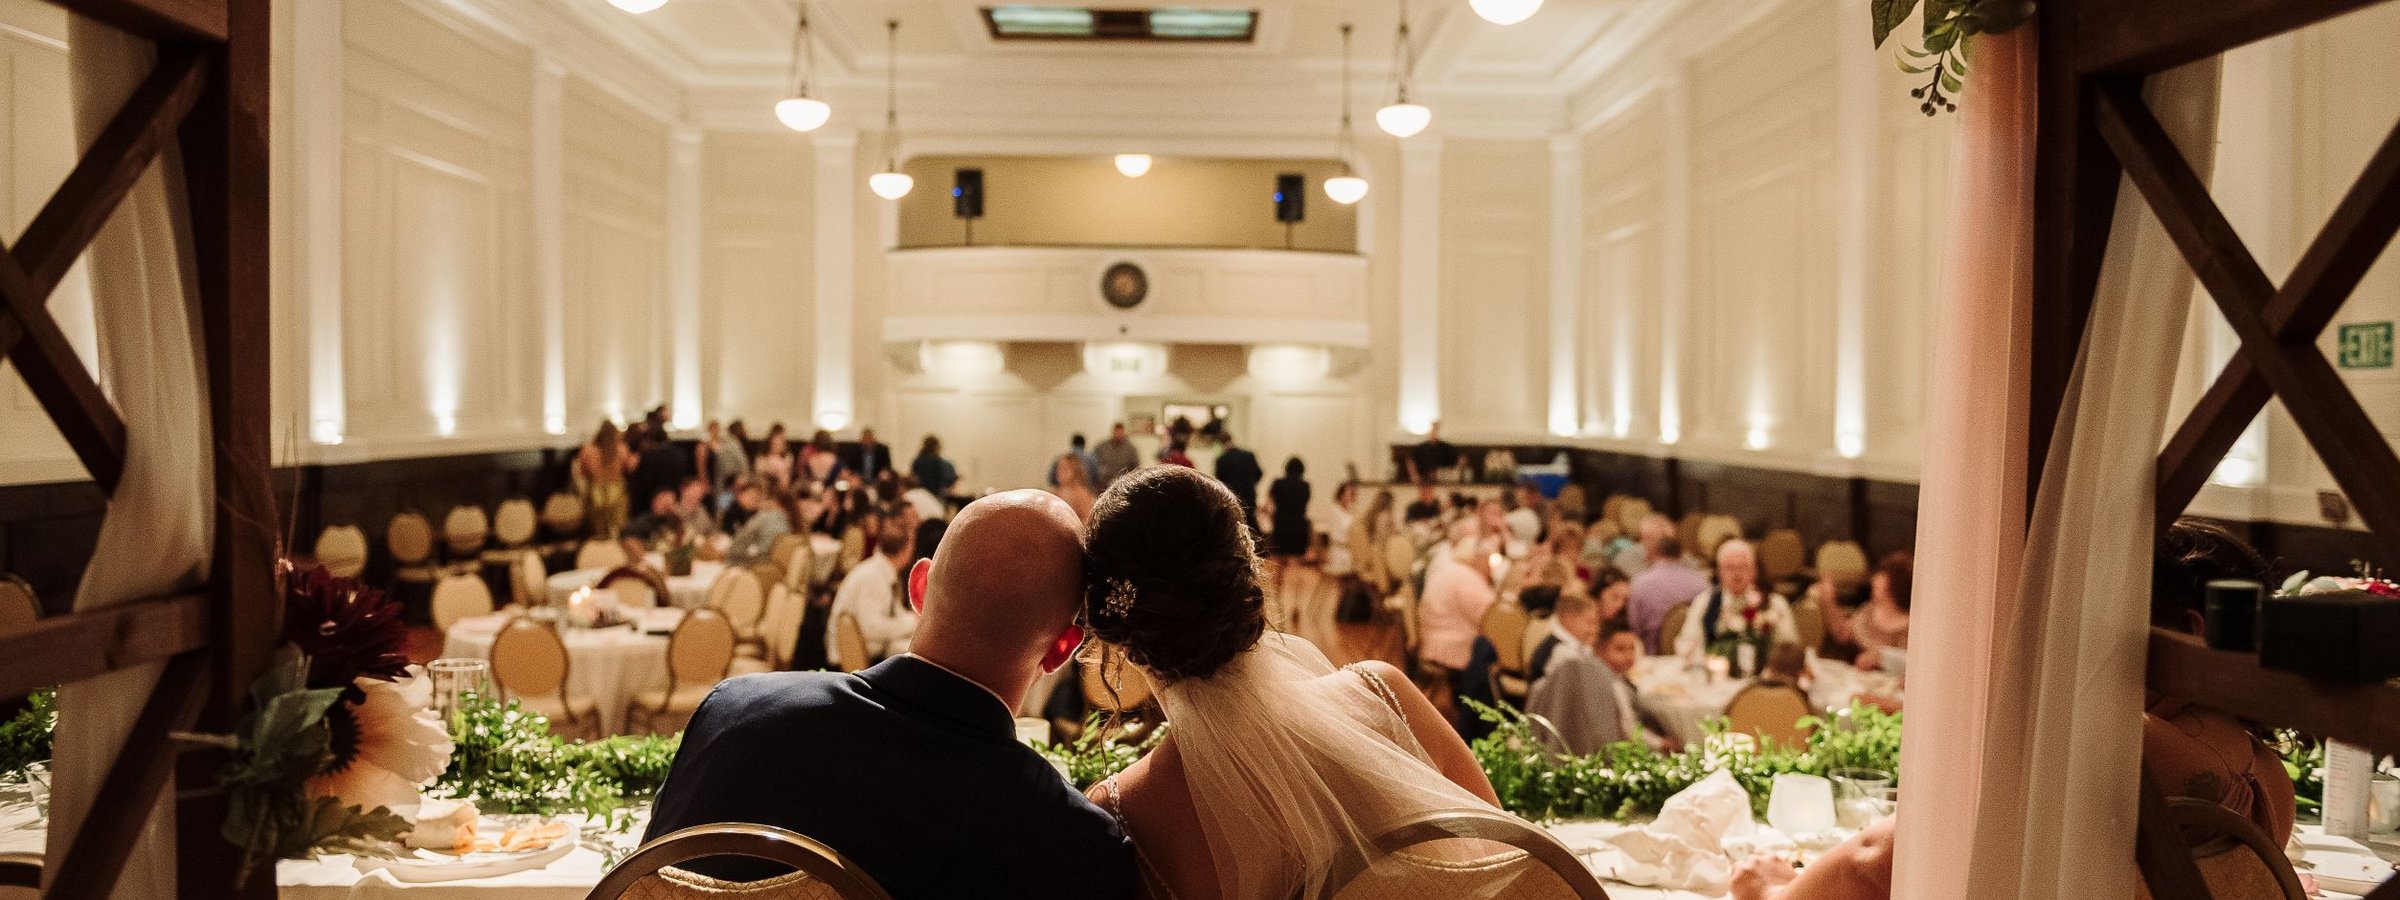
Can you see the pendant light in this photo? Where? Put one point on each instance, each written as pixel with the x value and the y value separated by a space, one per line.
pixel 1133 165
pixel 637 7
pixel 1346 188
pixel 891 183
pixel 799 111
pixel 1404 118
pixel 1505 12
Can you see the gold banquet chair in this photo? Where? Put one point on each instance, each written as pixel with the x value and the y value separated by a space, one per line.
pixel 1534 867
pixel 600 554
pixel 1672 626
pixel 529 664
pixel 1782 557
pixel 458 597
pixel 1769 710
pixel 342 550
pixel 1843 563
pixel 514 525
pixel 562 519
pixel 821 873
pixel 409 537
pixel 1715 530
pixel 532 580
pixel 737 594
pixel 2236 859
pixel 779 632
pixel 464 533
pixel 698 655
pixel 1504 624
pixel 19 606
pixel 849 644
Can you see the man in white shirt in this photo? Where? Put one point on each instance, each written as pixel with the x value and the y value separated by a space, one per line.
pixel 1525 520
pixel 871 594
pixel 1736 606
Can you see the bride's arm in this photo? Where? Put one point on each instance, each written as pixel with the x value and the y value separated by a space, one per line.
pixel 1449 752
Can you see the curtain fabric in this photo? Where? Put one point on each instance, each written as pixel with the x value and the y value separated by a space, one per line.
pixel 2028 760
pixel 156 536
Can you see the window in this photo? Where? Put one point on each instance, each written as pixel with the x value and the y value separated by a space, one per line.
pixel 1084 23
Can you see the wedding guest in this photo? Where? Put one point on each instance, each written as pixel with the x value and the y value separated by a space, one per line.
pixel 1664 582
pixel 1427 507
pixel 692 507
pixel 1116 457
pixel 1173 454
pixel 820 462
pixel 1075 448
pixel 731 520
pixel 874 459
pixel 728 460
pixel 602 466
pixel 659 522
pixel 935 474
pixel 1883 621
pixel 662 466
pixel 1340 561
pixel 1067 481
pixel 928 505
pixel 775 464
pixel 856 760
pixel 1736 606
pixel 770 517
pixel 1238 470
pixel 1458 591
pixel 1524 512
pixel 1367 537
pixel 1573 630
pixel 1293 534
pixel 1431 457
pixel 1584 694
pixel 870 593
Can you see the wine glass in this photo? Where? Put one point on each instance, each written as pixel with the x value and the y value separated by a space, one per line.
pixel 1861 796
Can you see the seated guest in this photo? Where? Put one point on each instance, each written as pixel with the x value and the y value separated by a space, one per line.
pixel 1524 513
pixel 820 463
pixel 1883 621
pixel 1426 508
pixel 1585 694
pixel 775 465
pixel 858 760
pixel 660 522
pixel 691 505
pixel 933 473
pixel 1458 590
pixel 1664 582
pixel 1736 606
pixel 874 459
pixel 660 465
pixel 768 520
pixel 871 594
pixel 1574 628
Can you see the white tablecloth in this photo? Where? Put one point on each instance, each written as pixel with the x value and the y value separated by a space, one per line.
pixel 605 665
pixel 687 591
pixel 1682 701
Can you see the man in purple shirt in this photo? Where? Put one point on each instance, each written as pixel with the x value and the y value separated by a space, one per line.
pixel 1665 583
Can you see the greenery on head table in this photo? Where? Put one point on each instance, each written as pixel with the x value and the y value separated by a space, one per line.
pixel 25 737
pixel 507 761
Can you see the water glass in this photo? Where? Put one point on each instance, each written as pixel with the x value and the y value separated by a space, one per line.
pixel 1801 805
pixel 453 678
pixel 1033 730
pixel 1862 796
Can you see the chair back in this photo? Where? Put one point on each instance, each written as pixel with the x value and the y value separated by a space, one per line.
pixel 737 594
pixel 1843 563
pixel 1504 624
pixel 648 873
pixel 1609 506
pixel 514 522
pixel 1769 710
pixel 2237 858
pixel 458 597
pixel 1394 872
pixel 600 554
pixel 636 586
pixel 563 514
pixel 1781 555
pixel 409 537
pixel 533 580
pixel 701 649
pixel 1102 671
pixel 1672 625
pixel 342 550
pixel 1687 530
pixel 1715 530
pixel 1808 621
pixel 780 627
pixel 849 644
pixel 466 529
pixel 529 659
pixel 1572 503
pixel 854 549
pixel 19 607
pixel 1630 513
pixel 769 574
pixel 788 547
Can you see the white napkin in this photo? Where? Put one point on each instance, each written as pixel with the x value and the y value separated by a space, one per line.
pixel 1684 849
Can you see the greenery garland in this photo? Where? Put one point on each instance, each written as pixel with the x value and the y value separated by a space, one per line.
pixel 1629 779
pixel 507 761
pixel 25 737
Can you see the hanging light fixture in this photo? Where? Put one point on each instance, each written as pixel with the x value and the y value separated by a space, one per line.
pixel 891 183
pixel 799 111
pixel 637 6
pixel 1346 188
pixel 1403 118
pixel 1133 165
pixel 1505 12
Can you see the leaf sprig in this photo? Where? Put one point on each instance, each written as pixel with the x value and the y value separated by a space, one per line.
pixel 1950 26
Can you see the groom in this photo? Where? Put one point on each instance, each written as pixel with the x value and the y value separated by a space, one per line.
pixel 912 768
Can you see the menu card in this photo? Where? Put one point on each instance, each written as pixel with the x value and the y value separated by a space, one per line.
pixel 2348 772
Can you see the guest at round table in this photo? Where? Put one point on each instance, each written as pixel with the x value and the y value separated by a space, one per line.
pixel 692 506
pixel 771 517
pixel 1663 582
pixel 1883 620
pixel 603 465
pixel 1174 454
pixel 1458 591
pixel 775 464
pixel 933 473
pixel 871 595
pixel 1736 606
pixel 819 463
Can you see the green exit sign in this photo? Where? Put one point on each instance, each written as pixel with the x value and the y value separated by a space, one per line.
pixel 2367 345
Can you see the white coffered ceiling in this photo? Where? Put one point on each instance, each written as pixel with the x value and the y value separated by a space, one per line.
pixel 732 57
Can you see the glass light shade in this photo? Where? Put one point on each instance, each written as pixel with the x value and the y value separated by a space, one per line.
pixel 1505 12
pixel 1346 189
pixel 1800 805
pixel 890 185
pixel 803 113
pixel 1133 165
pixel 1403 119
pixel 637 6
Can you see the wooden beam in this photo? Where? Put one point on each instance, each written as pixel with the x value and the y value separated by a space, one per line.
pixel 164 20
pixel 116 159
pixel 2074 207
pixel 2140 37
pixel 57 378
pixel 55 650
pixel 2367 715
pixel 122 808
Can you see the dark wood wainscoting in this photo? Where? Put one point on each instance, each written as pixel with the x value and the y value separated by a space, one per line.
pixel 47 532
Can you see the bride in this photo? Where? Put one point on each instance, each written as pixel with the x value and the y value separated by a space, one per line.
pixel 1276 763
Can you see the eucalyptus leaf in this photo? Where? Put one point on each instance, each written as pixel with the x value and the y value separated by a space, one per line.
pixel 1888 14
pixel 1942 15
pixel 1952 83
pixel 337 828
pixel 1912 70
pixel 1940 41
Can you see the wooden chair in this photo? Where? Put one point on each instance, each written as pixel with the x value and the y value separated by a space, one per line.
pixel 600 554
pixel 1111 683
pixel 1672 626
pixel 788 548
pixel 737 594
pixel 464 532
pixel 854 549
pixel 1513 873
pixel 1770 710
pixel 1687 530
pixel 532 580
pixel 1843 563
pixel 409 537
pixel 458 597
pixel 769 574
pixel 1782 557
pixel 821 873
pixel 513 527
pixel 19 606
pixel 1631 512
pixel 562 519
pixel 342 550
pixel 529 665
pixel 849 644
pixel 2237 859
pixel 1504 624
pixel 1808 620
pixel 699 654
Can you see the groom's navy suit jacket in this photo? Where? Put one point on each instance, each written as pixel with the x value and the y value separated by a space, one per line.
pixel 911 771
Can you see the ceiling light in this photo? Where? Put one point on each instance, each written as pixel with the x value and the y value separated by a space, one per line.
pixel 1133 165
pixel 1505 12
pixel 638 6
pixel 891 183
pixel 1403 118
pixel 799 111
pixel 1346 188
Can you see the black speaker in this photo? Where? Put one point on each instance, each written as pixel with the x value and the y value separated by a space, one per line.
pixel 966 194
pixel 1290 198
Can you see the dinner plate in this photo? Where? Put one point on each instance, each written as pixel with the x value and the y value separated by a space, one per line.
pixel 2351 872
pixel 418 866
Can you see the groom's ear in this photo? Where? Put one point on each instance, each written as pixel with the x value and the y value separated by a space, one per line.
pixel 917 576
pixel 1062 649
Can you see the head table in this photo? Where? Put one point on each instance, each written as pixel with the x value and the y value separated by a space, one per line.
pixel 606 665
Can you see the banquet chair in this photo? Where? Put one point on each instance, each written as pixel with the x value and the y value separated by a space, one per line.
pixel 464 532
pixel 1808 621
pixel 1843 563
pixel 529 665
pixel 737 594
pixel 532 580
pixel 1111 684
pixel 1687 530
pixel 1533 865
pixel 636 586
pixel 787 548
pixel 409 537
pixel 19 606
pixel 854 549
pixel 460 597
pixel 1631 512
pixel 769 574
pixel 1771 710
pixel 1715 530
pixel 1672 625
pixel 849 644
pixel 562 519
pixel 342 550
pixel 513 527
pixel 1505 624
pixel 698 655
pixel 600 554
pixel 2236 858
pixel 1782 557
pixel 20 869
pixel 779 630
pixel 821 873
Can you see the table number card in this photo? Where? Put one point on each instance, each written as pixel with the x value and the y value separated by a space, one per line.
pixel 2348 772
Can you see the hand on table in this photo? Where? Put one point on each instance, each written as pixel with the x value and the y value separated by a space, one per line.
pixel 1761 876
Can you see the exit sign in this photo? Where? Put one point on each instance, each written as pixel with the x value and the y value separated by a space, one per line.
pixel 2367 345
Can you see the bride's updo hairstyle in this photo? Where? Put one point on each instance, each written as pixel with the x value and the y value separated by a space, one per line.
pixel 1170 575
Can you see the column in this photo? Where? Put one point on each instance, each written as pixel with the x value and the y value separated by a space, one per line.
pixel 1675 265
pixel 1858 158
pixel 1566 283
pixel 316 124
pixel 1420 282
pixel 549 235
pixel 683 273
pixel 836 270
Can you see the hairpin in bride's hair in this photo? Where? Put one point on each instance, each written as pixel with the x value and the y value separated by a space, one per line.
pixel 1120 597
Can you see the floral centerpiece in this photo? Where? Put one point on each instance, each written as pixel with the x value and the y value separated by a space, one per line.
pixel 1749 625
pixel 2302 585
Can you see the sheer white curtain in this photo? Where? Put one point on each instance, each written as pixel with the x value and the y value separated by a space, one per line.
pixel 2023 759
pixel 156 537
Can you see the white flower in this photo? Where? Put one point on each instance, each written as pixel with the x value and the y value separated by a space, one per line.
pixel 399 746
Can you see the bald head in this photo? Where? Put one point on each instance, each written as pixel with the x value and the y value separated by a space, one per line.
pixel 1006 581
pixel 1737 566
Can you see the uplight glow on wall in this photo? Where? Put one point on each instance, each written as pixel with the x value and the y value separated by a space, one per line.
pixel 961 359
pixel 1283 365
pixel 1850 444
pixel 833 420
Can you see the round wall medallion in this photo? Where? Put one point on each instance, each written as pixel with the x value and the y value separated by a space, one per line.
pixel 1124 285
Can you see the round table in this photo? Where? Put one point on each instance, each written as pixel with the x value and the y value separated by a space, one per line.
pixel 1682 701
pixel 606 665
pixel 687 591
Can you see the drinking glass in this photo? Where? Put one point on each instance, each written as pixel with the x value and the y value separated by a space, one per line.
pixel 453 678
pixel 1801 805
pixel 1861 796
pixel 1033 730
